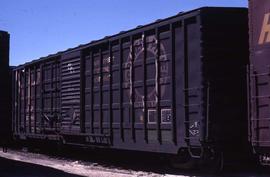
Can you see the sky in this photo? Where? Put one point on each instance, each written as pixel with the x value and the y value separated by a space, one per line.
pixel 42 27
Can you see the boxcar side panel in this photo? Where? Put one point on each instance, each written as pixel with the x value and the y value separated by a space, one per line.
pixel 50 96
pixel 36 108
pixel 128 87
pixel 139 90
pixel 193 87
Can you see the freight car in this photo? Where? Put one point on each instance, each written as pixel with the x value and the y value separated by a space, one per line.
pixel 259 72
pixel 5 87
pixel 175 86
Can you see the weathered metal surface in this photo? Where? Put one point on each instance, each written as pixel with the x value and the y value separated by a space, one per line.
pixel 36 98
pixel 176 83
pixel 259 72
pixel 70 92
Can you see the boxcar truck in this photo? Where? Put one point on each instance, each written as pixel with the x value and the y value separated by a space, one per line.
pixel 5 89
pixel 259 79
pixel 175 86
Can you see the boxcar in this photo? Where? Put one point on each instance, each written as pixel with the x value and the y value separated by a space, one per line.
pixel 175 86
pixel 5 87
pixel 259 72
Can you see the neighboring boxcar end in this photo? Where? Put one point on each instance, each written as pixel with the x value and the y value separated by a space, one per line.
pixel 5 87
pixel 259 72
pixel 175 86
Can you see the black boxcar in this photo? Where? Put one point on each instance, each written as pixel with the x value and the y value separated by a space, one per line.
pixel 259 72
pixel 175 86
pixel 5 87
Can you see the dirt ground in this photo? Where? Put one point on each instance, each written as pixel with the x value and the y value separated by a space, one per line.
pixel 17 163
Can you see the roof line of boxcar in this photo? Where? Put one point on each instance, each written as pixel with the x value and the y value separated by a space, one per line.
pixel 107 38
pixel 2 31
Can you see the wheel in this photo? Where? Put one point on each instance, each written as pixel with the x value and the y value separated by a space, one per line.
pixel 184 161
pixel 212 161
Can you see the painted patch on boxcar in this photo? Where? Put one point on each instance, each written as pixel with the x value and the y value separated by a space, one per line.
pixel 136 53
pixel 265 32
pixel 166 116
pixel 164 67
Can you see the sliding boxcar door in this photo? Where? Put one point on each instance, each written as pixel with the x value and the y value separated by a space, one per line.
pixel 70 92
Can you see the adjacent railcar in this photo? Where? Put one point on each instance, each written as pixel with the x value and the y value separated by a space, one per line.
pixel 259 72
pixel 175 86
pixel 5 87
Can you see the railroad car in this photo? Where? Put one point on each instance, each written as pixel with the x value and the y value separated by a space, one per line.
pixel 5 89
pixel 175 86
pixel 259 75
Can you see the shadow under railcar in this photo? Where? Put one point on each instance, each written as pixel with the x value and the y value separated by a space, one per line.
pixel 10 168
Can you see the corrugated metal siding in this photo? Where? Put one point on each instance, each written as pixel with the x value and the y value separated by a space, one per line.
pixel 259 73
pixel 194 104
pixel 36 98
pixel 144 89
pixel 70 92
pixel 128 86
pixel 50 95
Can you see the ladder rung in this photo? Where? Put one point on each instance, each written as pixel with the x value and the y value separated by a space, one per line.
pixel 258 141
pixel 193 138
pixel 264 96
pixel 194 88
pixel 260 119
pixel 260 74
pixel 190 105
